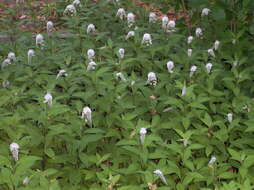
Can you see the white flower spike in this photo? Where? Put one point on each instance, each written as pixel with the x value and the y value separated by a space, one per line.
pixel 90 54
pixel 152 17
pixel 147 39
pixel 39 40
pixel 216 45
pixel 209 67
pixel 30 54
pixel 161 176
pixel 121 13
pixel 189 52
pixel 76 3
pixel 130 19
pixel 70 9
pixel 199 32
pixel 48 99
pixel 91 66
pixel 230 117
pixel 142 133
pixel 121 52
pixel 11 56
pixel 50 27
pixel 90 29
pixel 171 24
pixel 193 70
pixel 121 76
pixel 205 12
pixel 211 52
pixel 151 79
pixel 61 73
pixel 190 39
pixel 170 66
pixel 129 35
pixel 6 62
pixel 164 22
pixel 87 114
pixel 212 160
pixel 14 148
pixel 184 91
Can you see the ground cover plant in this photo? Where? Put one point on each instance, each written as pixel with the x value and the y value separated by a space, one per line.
pixel 107 95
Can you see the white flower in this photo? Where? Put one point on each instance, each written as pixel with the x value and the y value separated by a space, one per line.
pixel 14 148
pixel 212 160
pixel 61 73
pixel 151 79
pixel 216 45
pixel 171 24
pixel 39 40
pixel 121 76
pixel 185 142
pixel 90 28
pixel 11 56
pixel 132 83
pixel 235 63
pixel 76 3
pixel 161 176
pixel 50 27
pixel 209 67
pixel 211 52
pixel 25 181
pixel 205 12
pixel 121 13
pixel 170 66
pixel 152 17
pixel 193 70
pixel 168 109
pixel 70 9
pixel 199 32
pixel 121 53
pixel 91 66
pixel 90 54
pixel 230 117
pixel 190 38
pixel 130 34
pixel 142 133
pixel 147 39
pixel 6 62
pixel 184 91
pixel 130 19
pixel 189 52
pixel 5 83
pixel 164 22
pixel 48 99
pixel 30 54
pixel 87 114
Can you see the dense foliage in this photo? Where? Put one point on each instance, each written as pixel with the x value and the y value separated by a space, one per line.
pixel 167 111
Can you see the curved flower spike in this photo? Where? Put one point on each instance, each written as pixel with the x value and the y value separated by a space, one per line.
pixel 161 176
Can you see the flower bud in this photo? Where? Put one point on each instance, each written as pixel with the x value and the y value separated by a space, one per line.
pixel 170 66
pixel 5 63
pixel 70 9
pixel 50 27
pixel 216 45
pixel 39 40
pixel 25 181
pixel 211 52
pixel 184 91
pixel 193 70
pixel 61 73
pixel 120 75
pixel 164 22
pixel 212 160
pixel 230 117
pixel 30 54
pixel 121 53
pixel 11 56
pixel 130 19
